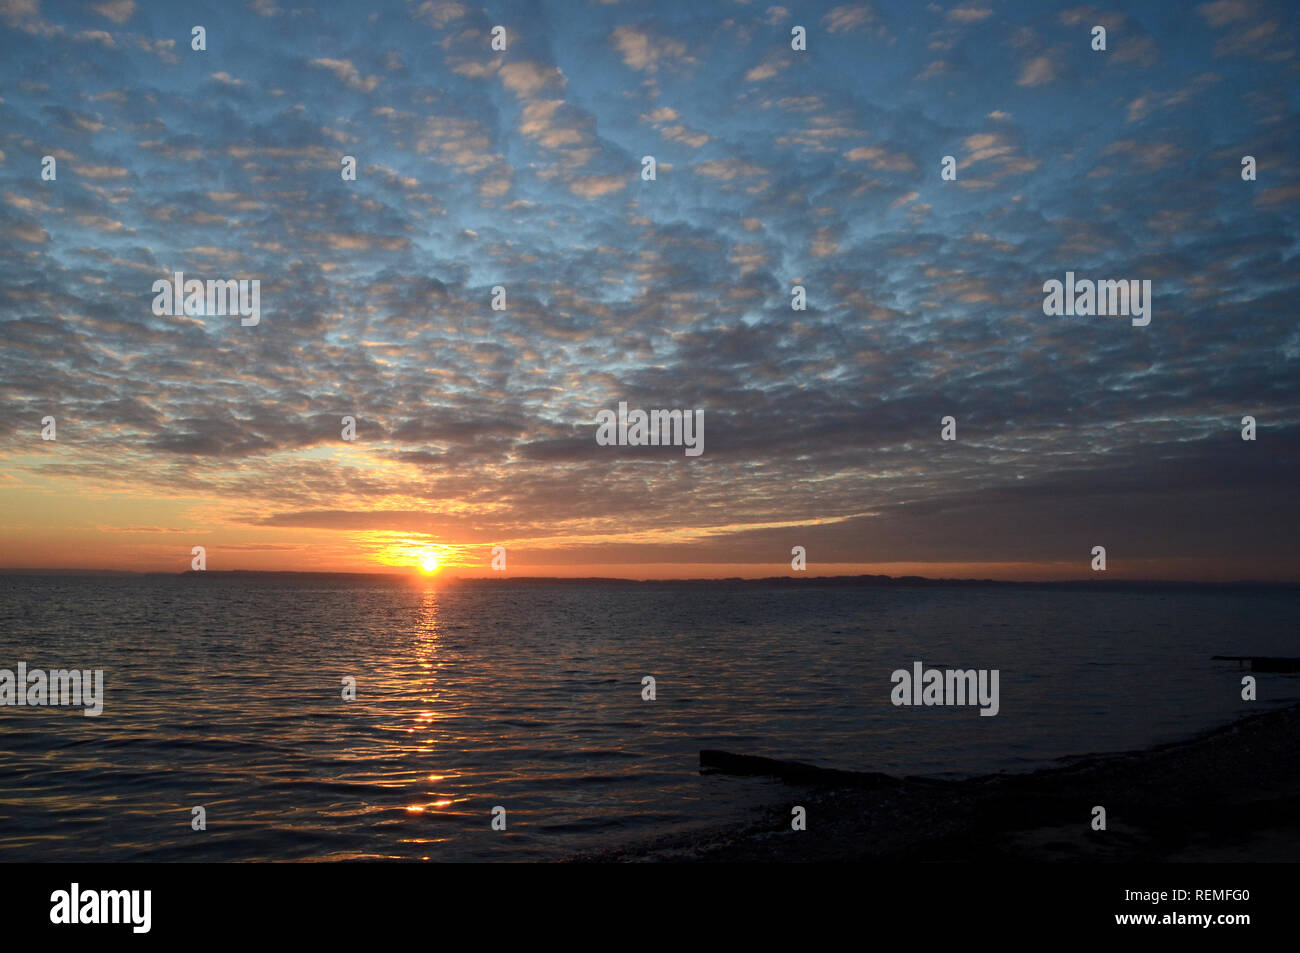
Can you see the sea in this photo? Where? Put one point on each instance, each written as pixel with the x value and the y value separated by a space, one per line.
pixel 359 718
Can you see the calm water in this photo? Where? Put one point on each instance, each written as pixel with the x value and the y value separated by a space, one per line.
pixel 226 693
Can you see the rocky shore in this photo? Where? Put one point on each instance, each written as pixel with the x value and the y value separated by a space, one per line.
pixel 1228 795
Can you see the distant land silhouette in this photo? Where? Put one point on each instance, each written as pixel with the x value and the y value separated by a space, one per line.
pixel 794 582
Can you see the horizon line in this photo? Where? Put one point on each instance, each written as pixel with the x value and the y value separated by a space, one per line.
pixel 862 578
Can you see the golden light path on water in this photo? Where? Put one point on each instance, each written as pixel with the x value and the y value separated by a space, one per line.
pixel 427 636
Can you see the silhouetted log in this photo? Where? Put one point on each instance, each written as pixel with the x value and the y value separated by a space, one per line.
pixel 793 772
pixel 1262 663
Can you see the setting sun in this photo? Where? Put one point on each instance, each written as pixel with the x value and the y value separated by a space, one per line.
pixel 429 564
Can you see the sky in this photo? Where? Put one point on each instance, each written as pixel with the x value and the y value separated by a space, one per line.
pixel 774 168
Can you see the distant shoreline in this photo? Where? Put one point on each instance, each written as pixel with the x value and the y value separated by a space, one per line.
pixel 792 582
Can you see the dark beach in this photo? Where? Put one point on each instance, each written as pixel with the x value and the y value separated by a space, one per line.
pixel 1228 795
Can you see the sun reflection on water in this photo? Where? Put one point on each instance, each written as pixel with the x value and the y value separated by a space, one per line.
pixel 431 705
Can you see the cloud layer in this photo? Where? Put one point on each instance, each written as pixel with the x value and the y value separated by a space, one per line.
pixel 521 169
